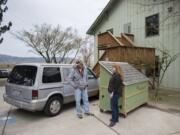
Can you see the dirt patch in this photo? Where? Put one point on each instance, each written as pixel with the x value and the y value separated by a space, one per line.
pixel 164 108
pixel 168 98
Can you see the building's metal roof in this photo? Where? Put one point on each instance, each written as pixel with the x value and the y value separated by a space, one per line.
pixel 131 74
pixel 98 20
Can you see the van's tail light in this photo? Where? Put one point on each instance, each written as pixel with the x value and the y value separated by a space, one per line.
pixel 34 94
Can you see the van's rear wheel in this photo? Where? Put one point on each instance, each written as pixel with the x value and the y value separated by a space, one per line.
pixel 53 106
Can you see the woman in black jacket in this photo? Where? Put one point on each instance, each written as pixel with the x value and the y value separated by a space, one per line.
pixel 115 89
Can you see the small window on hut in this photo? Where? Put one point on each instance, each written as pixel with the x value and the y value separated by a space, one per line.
pixel 152 25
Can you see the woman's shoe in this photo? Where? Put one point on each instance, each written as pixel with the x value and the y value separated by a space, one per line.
pixel 112 124
pixel 111 120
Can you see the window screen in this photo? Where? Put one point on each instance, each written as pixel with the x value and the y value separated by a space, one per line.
pixel 51 75
pixel 127 28
pixel 152 25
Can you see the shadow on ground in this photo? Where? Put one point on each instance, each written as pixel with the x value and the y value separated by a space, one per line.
pixel 39 115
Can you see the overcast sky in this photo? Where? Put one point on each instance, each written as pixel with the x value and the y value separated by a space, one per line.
pixel 79 14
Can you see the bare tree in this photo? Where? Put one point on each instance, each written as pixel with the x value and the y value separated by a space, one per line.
pixel 52 43
pixel 78 44
pixel 86 50
pixel 165 61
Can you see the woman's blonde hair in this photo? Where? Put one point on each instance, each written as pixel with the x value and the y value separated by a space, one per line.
pixel 119 70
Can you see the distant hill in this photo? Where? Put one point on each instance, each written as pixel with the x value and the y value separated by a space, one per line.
pixel 14 60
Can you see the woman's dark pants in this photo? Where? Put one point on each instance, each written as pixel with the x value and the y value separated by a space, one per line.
pixel 114 107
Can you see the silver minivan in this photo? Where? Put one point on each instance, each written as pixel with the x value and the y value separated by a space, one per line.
pixel 43 87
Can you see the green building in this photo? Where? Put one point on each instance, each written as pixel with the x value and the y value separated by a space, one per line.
pixel 154 23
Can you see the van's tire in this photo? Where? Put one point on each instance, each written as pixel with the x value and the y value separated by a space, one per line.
pixel 53 106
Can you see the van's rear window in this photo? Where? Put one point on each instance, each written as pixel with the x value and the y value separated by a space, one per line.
pixel 23 75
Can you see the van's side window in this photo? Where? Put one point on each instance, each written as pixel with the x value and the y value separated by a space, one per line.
pixel 51 75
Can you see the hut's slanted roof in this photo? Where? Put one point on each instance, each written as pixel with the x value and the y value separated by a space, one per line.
pixel 131 74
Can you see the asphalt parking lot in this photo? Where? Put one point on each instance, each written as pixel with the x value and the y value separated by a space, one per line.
pixel 142 121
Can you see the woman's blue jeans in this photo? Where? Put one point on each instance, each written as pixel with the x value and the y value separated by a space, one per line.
pixel 115 108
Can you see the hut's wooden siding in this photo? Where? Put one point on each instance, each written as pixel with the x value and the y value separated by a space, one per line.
pixel 134 55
